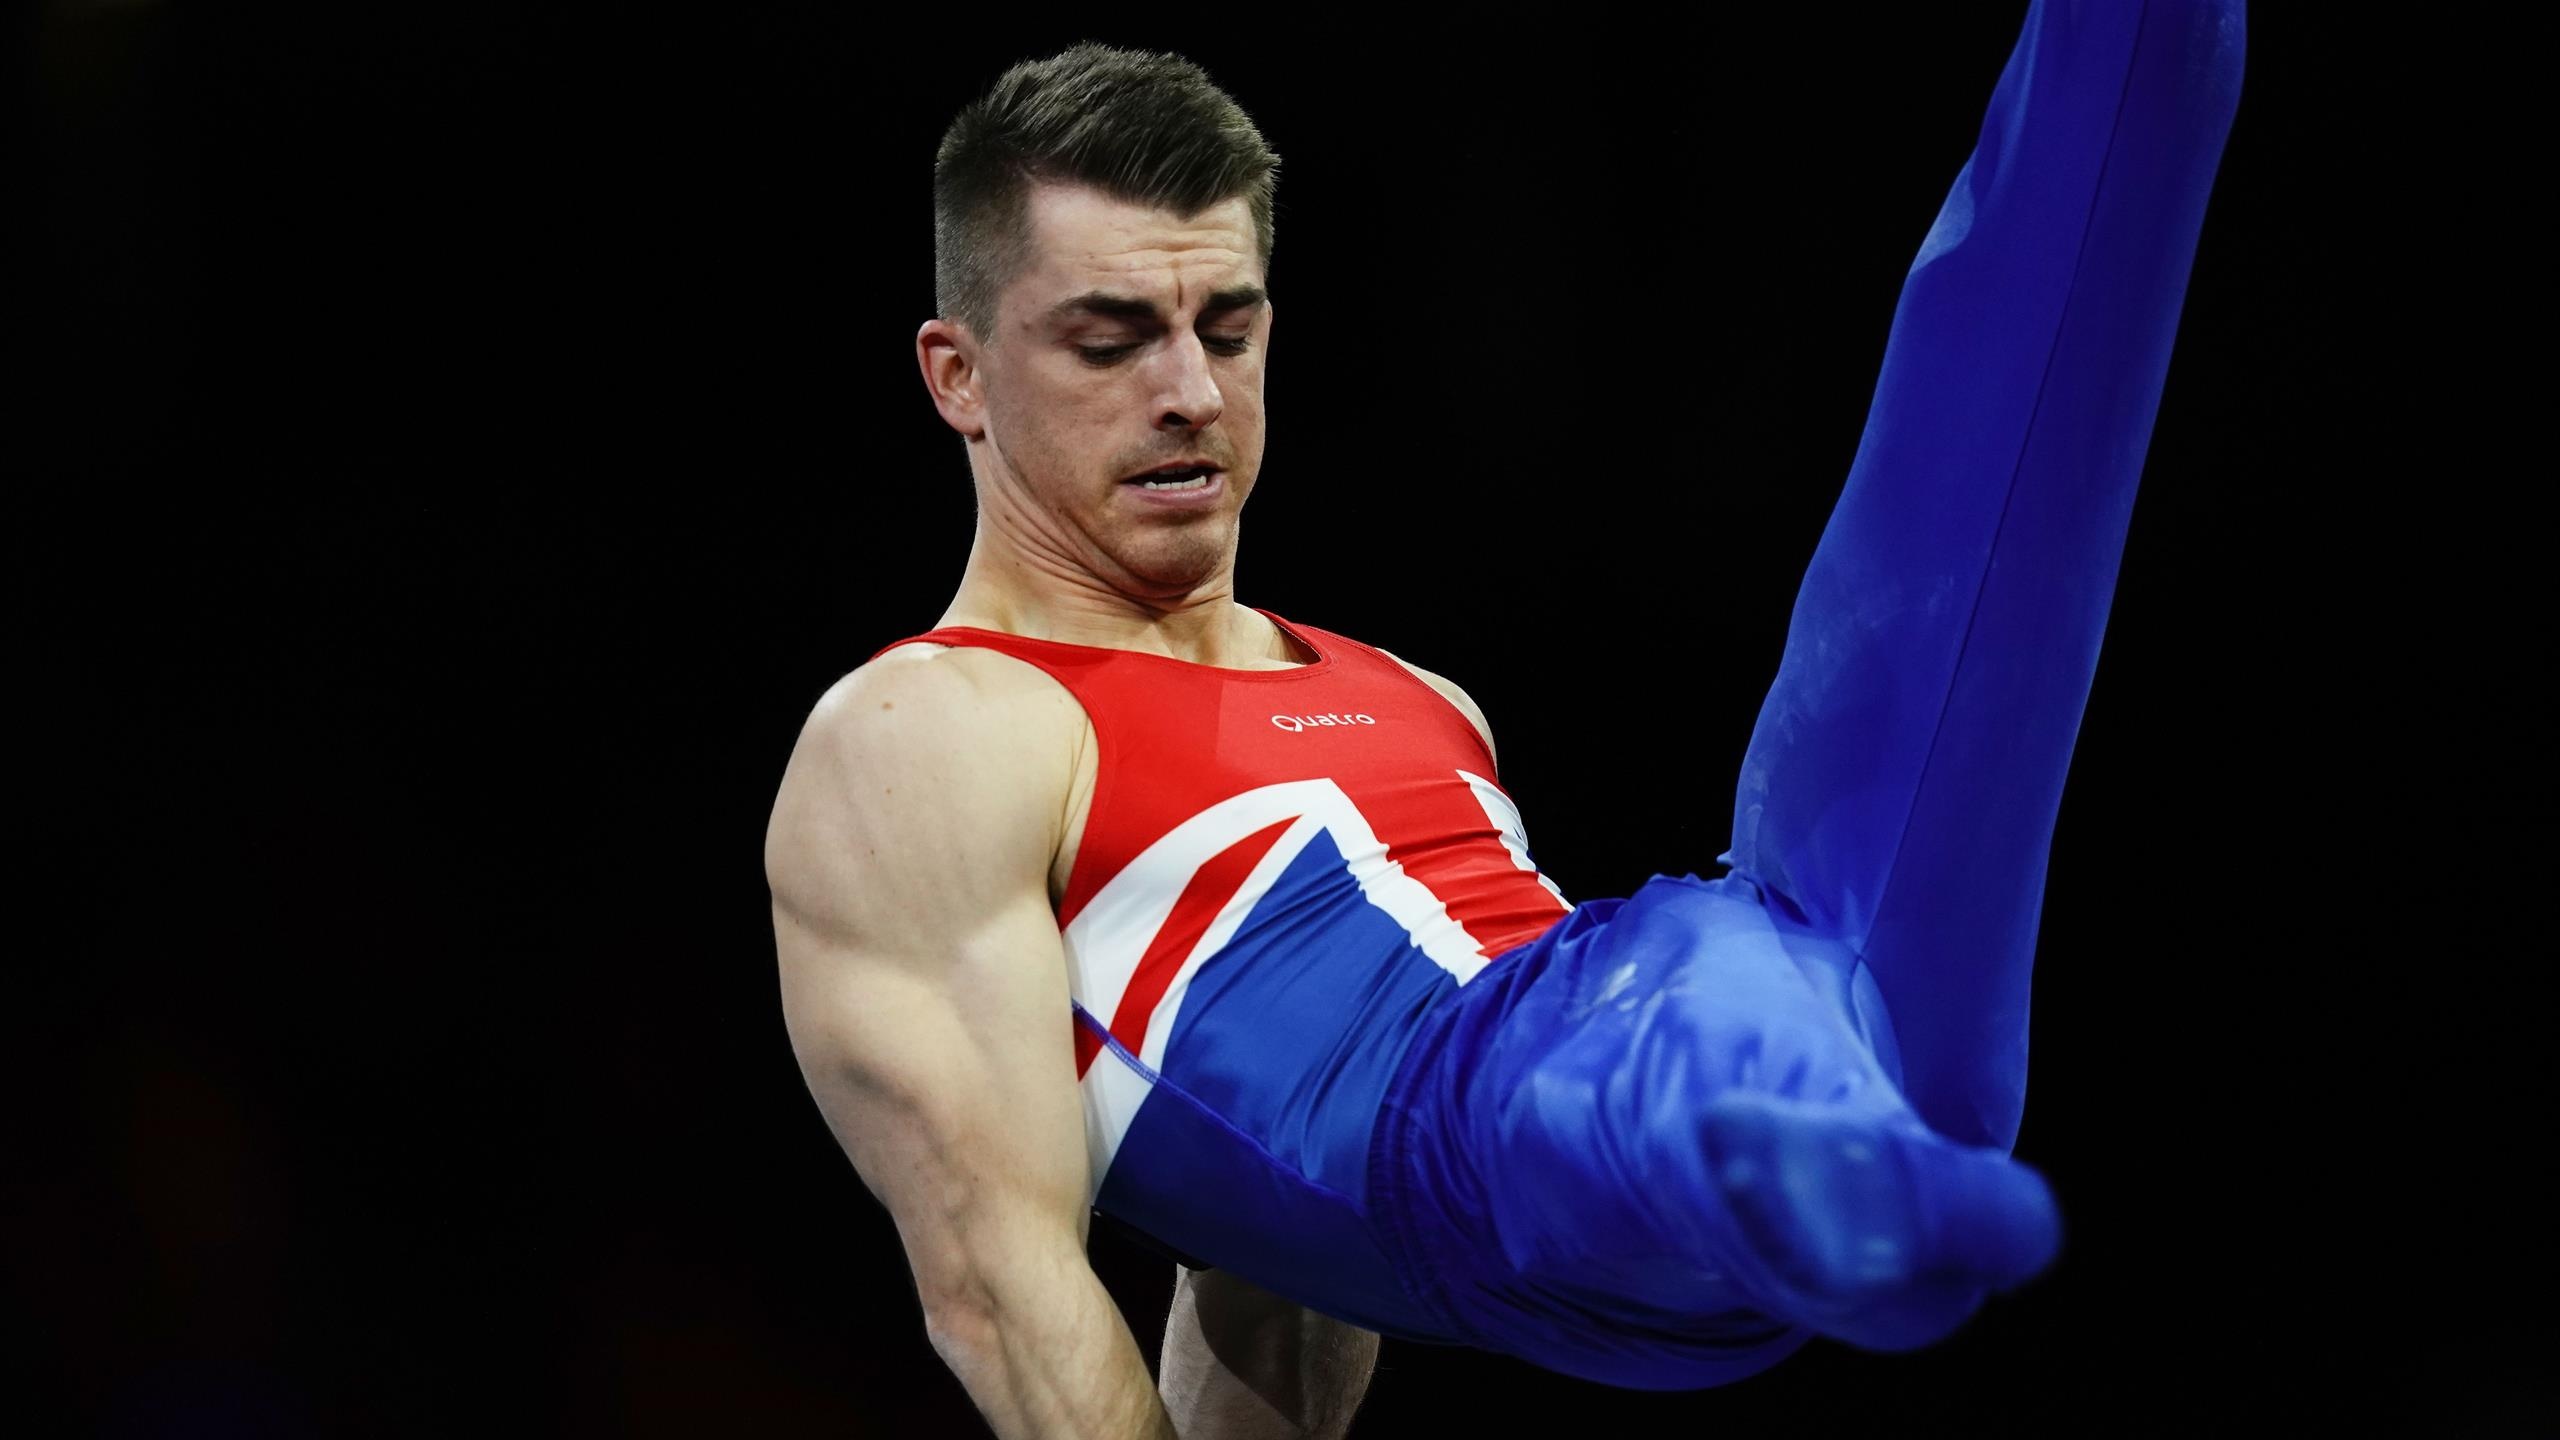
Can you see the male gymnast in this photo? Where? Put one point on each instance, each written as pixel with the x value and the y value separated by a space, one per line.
pixel 1111 894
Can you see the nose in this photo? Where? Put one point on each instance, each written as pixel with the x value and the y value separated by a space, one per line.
pixel 1187 393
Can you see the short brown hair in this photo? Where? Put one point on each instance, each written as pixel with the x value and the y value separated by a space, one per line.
pixel 1151 129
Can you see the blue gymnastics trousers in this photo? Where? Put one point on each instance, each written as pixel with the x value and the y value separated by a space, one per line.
pixel 1679 1134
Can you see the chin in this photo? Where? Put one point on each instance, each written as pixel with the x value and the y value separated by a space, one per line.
pixel 1180 566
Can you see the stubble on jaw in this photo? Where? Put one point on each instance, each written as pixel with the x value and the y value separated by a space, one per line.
pixel 1153 559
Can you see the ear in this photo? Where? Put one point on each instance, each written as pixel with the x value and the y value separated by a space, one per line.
pixel 949 357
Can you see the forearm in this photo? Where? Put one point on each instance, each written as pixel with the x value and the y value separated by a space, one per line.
pixel 1064 1370
pixel 1242 1364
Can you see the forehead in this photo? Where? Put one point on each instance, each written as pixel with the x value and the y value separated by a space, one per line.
pixel 1083 239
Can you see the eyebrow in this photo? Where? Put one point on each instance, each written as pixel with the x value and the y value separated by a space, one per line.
pixel 1108 306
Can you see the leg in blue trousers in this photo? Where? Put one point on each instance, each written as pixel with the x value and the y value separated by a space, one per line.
pixel 1673 1138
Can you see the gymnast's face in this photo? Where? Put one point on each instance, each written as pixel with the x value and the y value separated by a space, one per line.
pixel 1133 338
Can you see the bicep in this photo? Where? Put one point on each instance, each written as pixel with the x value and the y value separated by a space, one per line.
pixel 924 983
pixel 961 1116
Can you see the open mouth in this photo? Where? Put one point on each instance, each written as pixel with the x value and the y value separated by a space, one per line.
pixel 1187 477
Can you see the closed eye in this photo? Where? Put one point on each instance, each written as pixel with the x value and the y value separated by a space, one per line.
pixel 1107 354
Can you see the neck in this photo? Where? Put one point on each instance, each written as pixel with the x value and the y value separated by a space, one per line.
pixel 1006 590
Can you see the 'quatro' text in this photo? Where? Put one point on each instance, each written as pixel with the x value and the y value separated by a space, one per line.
pixel 1295 723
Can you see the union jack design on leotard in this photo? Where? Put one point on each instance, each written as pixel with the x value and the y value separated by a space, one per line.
pixel 1133 949
pixel 1278 870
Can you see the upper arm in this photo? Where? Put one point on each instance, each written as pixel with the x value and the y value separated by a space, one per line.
pixel 1449 688
pixel 923 977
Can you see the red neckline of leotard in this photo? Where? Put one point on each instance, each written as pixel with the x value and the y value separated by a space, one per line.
pixel 1323 661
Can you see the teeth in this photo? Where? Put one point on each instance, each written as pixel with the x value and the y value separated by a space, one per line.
pixel 1196 482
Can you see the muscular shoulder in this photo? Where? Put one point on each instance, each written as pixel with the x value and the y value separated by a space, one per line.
pixel 920 707
pixel 1456 696
pixel 963 685
pixel 929 760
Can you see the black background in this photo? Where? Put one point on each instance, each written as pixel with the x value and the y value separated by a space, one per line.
pixel 458 445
